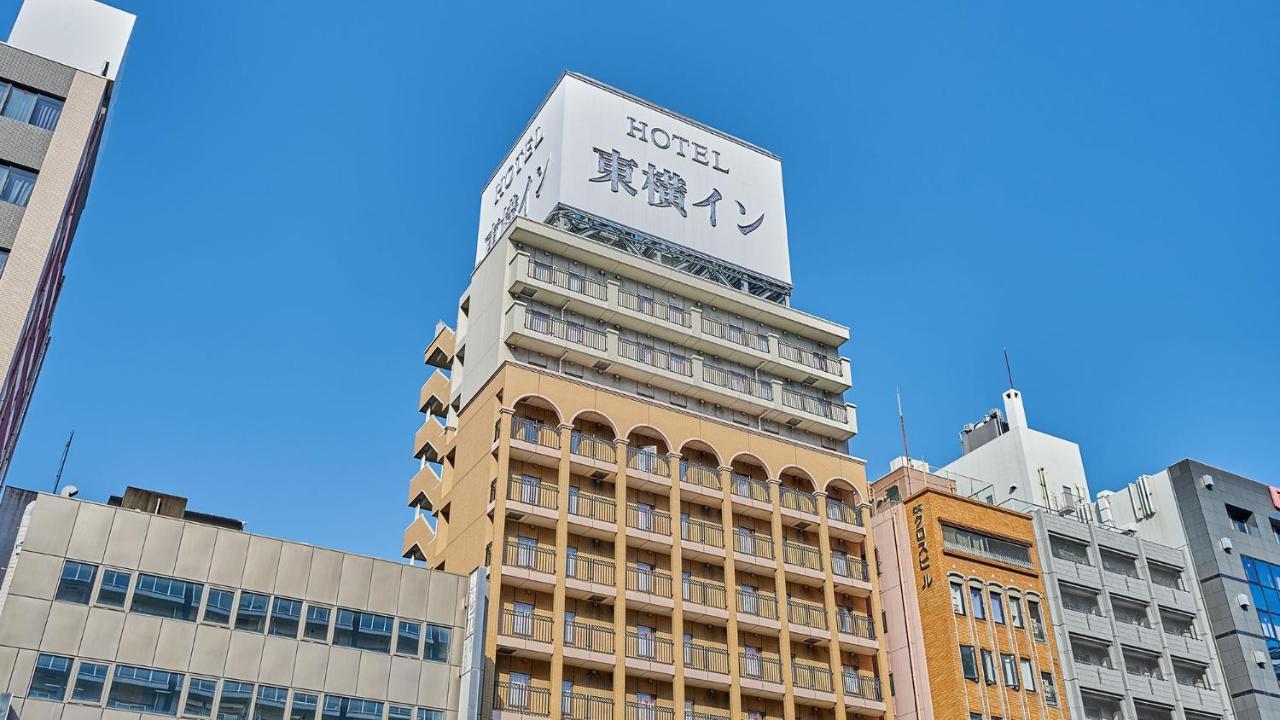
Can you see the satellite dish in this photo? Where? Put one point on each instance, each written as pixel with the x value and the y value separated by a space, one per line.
pixel 70 491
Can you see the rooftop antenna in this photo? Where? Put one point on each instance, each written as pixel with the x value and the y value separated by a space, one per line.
pixel 902 425
pixel 58 479
pixel 1008 368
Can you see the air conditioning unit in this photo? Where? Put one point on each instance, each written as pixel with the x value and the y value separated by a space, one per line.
pixel 1226 544
pixel 1260 658
pixel 1207 481
pixel 1243 600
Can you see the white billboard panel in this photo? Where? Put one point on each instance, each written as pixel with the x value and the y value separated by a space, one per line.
pixel 607 154
pixel 84 34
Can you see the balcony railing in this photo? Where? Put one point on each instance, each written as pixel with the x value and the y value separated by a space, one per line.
pixel 758 604
pixel 747 542
pixel 694 530
pixel 589 446
pixel 851 623
pixel 811 677
pixel 653 582
pixel 532 491
pixel 534 432
pixel 815 405
pixel 655 357
pixel 593 507
pixel 648 519
pixel 797 500
pixel 654 308
pixel 527 625
pixel 522 698
pixel 801 555
pixel 760 667
pixel 809 358
pixel 588 636
pixel 648 461
pixel 735 334
pixel 842 512
pixel 847 566
pixel 565 330
pixel 863 686
pixel 589 569
pixel 702 592
pixel 807 614
pixel 706 658
pixel 695 715
pixel 532 557
pixel 649 647
pixel 581 706
pixel 648 711
pixel 696 474
pixel 749 488
pixel 737 382
pixel 573 282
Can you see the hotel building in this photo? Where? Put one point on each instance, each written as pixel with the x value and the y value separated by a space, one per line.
pixel 641 440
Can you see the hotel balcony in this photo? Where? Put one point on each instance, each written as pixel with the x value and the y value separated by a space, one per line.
pixel 589 578
pixel 432 441
pixel 649 590
pixel 706 665
pixel 702 540
pixel 1200 698
pixel 856 632
pixel 851 573
pixel 648 470
pixel 807 620
pixel 534 442
pixel 758 611
pixel 592 456
pixel 802 563
pixel 845 521
pixel 799 508
pixel 649 656
pixel 589 644
pixel 750 496
pixel 528 566
pixel 418 539
pixel 648 711
pixel 753 549
pixel 760 674
pixel 704 601
pixel 440 352
pixel 862 692
pixel 525 634
pixel 1150 688
pixel 426 489
pixel 582 706
pixel 648 528
pixel 812 684
pixel 700 480
pixel 593 515
pixel 520 700
pixel 529 500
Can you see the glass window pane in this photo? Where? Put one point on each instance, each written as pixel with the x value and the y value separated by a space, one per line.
pixel 342 708
pixel 430 714
pixel 19 104
pixel 399 712
pixel 217 609
pixel 115 587
pixel 144 690
pixel 304 706
pixel 76 583
pixel 362 630
pixel 200 694
pixel 407 638
pixel 286 614
pixel 233 704
pixel 251 615
pixel 90 679
pixel 436 646
pixel 271 702
pixel 49 681
pixel 46 113
pixel 317 627
pixel 166 597
pixel 18 185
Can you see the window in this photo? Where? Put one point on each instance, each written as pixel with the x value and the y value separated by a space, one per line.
pixel 437 644
pixel 115 586
pixel 217 610
pixel 408 634
pixel 4 260
pixel 989 667
pixel 1009 665
pixel 997 607
pixel 1050 689
pixel 30 107
pixel 76 583
pixel 968 663
pixel 399 712
pixel 996 549
pixel 166 597
pixel 16 185
pixel 430 714
pixel 270 704
pixel 1028 675
pixel 1242 520
pixel 976 604
pixel 90 679
pixel 234 703
pixel 1165 575
pixel 1033 614
pixel 1264 585
pixel 50 679
pixel 138 689
pixel 362 630
pixel 1015 611
pixel 304 706
pixel 957 597
pixel 975 716
pixel 341 708
pixel 1118 563
pixel 285 616
pixel 200 694
pixel 251 614
pixel 317 627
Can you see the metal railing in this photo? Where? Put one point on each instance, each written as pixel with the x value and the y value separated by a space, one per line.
pixel 696 474
pixel 584 445
pixel 702 592
pixel 535 432
pixel 748 487
pixel 528 625
pixel 532 491
pixel 648 711
pixel 522 698
pixel 648 461
pixel 695 715
pixel 706 658
pixel 649 647
pixel 811 677
pixel 570 281
pixel 758 604
pixel 760 667
pixel 734 334
pixel 801 555
pixel 797 500
pixel 653 582
pixel 815 405
pixel 737 381
pixel 588 636
pixel 847 566
pixel 565 330
pixel 594 507
pixel 694 530
pixel 807 614
pixel 655 357
pixel 851 623
pixel 863 686
pixel 648 519
pixel 749 542
pixel 589 569
pixel 654 308
pixel 581 706
pixel 845 513
pixel 809 358
pixel 532 557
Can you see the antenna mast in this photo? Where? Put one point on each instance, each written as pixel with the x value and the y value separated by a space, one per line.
pixel 902 425
pixel 1008 368
pixel 58 479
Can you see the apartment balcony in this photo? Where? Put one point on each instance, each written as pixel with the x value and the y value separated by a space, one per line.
pixel 589 644
pixel 593 515
pixel 525 634
pixel 700 480
pixel 1075 570
pixel 418 539
pixel 845 521
pixel 433 398
pixel 807 620
pixel 520 700
pixel 648 711
pixel 812 684
pixel 760 674
pixel 440 352
pixel 432 441
pixel 592 456
pixel 851 573
pixel 753 549
pixel 1186 645
pixel 534 442
pixel 1151 689
pixel 856 632
pixel 1137 635
pixel 758 611
pixel 425 488
pixel 649 656
pixel 1099 678
pixel 706 665
pixel 589 578
pixel 581 706
pixel 648 471
pixel 799 508
pixel 701 540
pixel 1090 623
pixel 695 715
pixel 648 528
pixel 529 500
pixel 649 590
pixel 803 563
pixel 862 692
pixel 1175 598
pixel 704 601
pixel 750 496
pixel 1129 585
pixel 1202 699
pixel 528 566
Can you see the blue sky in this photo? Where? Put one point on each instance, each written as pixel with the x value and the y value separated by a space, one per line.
pixel 288 201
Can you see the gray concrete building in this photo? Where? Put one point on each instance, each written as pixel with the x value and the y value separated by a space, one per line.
pixel 1229 527
pixel 141 607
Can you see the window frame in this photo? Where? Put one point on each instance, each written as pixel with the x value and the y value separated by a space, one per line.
pixel 58 592
pixel 977 605
pixel 1009 670
pixel 429 641
pixel 969 659
pixel 51 661
pixel 957 596
pixel 996 597
pixel 102 585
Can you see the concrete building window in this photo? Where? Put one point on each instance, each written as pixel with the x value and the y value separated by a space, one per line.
pixel 363 631
pixel 1088 652
pixel 997 607
pixel 1191 674
pixel 304 706
pixel 1119 563
pixel 430 714
pixel 90 679
pixel 1037 624
pixel 317 627
pixel 1009 666
pixel 136 689
pixel 1050 690
pixel 957 597
pixel 115 588
pixel 166 597
pixel 76 583
pixel 344 708
pixel 251 614
pixel 399 712
pixel 1015 611
pixel 988 667
pixel 200 694
pixel 286 616
pixel 50 679
pixel 408 636
pixel 1130 612
pixel 1069 550
pixel 1242 520
pixel 217 610
pixel 1178 624
pixel 968 663
pixel 16 185
pixel 235 700
pixel 993 548
pixel 1028 675
pixel 1165 575
pixel 270 704
pixel 436 647
pixel 26 106
pixel 976 606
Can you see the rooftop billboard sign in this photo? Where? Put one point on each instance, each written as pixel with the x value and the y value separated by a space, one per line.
pixel 605 153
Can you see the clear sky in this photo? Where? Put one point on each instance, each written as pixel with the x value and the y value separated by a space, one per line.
pixel 289 194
